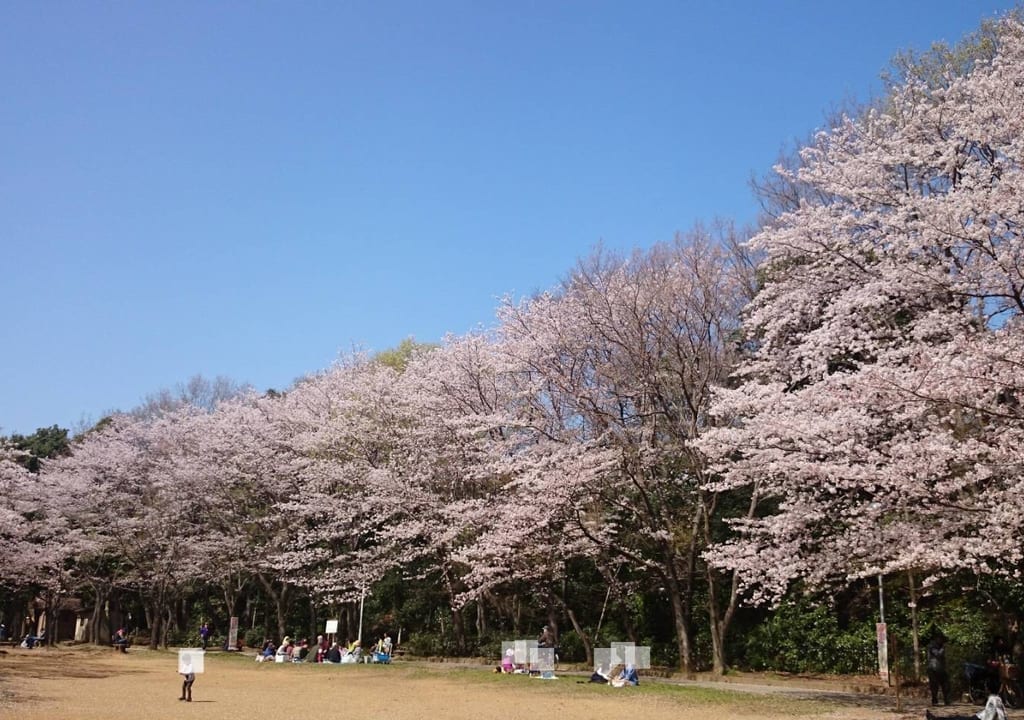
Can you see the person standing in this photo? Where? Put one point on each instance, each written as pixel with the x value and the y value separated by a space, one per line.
pixel 204 635
pixel 938 677
pixel 186 671
pixel 546 639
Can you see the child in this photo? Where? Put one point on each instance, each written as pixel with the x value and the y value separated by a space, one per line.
pixel 185 669
pixel 267 653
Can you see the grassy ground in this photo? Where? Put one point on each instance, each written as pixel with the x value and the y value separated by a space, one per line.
pixel 83 683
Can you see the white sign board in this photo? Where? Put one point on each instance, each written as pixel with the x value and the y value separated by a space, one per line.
pixel 542 659
pixel 523 649
pixel 233 634
pixel 190 660
pixel 332 627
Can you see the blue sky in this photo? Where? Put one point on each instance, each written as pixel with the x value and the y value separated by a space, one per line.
pixel 249 189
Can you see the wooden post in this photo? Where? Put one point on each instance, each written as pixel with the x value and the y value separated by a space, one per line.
pixel 895 670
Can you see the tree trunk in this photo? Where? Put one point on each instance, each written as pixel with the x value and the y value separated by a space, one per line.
pixel 169 623
pixel 691 565
pixel 627 621
pixel 281 611
pixel 719 625
pixel 459 630
pixel 588 645
pixel 913 626
pixel 49 603
pixel 458 622
pixel 313 624
pixel 232 590
pixel 99 635
pixel 481 620
pixel 679 612
pixel 154 613
pixel 281 599
pixel 720 622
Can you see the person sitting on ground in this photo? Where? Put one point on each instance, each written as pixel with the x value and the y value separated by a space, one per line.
pixel 627 678
pixel 334 654
pixel 267 653
pixel 121 640
pixel 508 661
pixel 381 652
pixel 993 710
pixel 302 652
pixel 355 651
pixel 284 652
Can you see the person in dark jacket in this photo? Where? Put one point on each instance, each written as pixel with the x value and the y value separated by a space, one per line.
pixel 938 677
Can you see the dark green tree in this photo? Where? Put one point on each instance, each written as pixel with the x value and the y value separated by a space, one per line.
pixel 42 444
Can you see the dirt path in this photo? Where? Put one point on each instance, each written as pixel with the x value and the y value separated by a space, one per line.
pixel 91 683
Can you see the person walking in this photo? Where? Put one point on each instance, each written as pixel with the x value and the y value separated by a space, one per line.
pixel 204 635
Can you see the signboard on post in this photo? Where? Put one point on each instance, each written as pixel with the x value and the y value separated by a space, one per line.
pixel 233 634
pixel 331 627
pixel 883 651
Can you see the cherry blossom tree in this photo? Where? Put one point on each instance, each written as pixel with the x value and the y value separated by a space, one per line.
pixel 250 472
pixel 341 423
pixel 36 543
pixel 396 452
pixel 133 491
pixel 15 509
pixel 880 407
pixel 619 366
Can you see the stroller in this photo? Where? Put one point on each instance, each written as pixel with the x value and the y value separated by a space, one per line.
pixel 977 681
pixel 978 677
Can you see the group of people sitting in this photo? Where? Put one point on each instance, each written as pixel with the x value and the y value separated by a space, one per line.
pixel 30 640
pixel 323 651
pixel 627 677
pixel 287 651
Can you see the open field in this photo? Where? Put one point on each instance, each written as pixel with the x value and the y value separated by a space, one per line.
pixel 87 683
